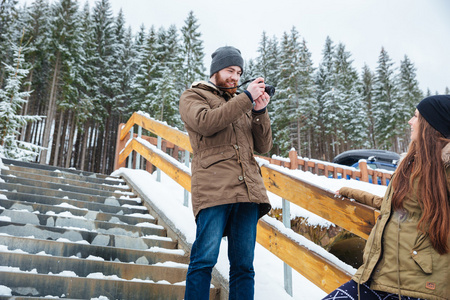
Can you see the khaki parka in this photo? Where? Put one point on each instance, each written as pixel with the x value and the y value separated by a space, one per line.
pixel 398 258
pixel 224 133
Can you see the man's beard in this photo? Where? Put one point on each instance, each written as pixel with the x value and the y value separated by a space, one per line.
pixel 223 84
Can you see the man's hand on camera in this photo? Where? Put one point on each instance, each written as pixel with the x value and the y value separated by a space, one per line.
pixel 257 90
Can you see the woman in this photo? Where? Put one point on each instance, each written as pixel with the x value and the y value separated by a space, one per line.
pixel 407 255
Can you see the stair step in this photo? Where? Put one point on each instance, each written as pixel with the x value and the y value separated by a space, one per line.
pixel 67 248
pixel 131 219
pixel 62 187
pixel 66 221
pixel 27 284
pixel 46 264
pixel 111 199
pixel 81 235
pixel 59 178
pixel 11 162
pixel 110 180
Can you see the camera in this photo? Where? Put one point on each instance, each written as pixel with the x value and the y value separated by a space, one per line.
pixel 269 89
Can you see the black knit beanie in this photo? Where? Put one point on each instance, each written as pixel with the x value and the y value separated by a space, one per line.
pixel 436 110
pixel 225 57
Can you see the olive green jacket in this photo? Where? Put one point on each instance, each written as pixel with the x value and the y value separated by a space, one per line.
pixel 224 133
pixel 398 258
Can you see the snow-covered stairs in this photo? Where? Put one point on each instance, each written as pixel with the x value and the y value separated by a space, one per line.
pixel 77 235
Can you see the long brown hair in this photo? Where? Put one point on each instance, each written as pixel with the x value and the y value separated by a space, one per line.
pixel 423 163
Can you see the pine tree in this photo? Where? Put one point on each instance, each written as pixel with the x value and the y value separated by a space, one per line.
pixel 250 72
pixel 143 83
pixel 11 121
pixel 63 47
pixel 7 18
pixel 192 52
pixel 106 97
pixel 32 25
pixel 324 88
pixel 306 112
pixel 409 95
pixel 352 117
pixel 166 108
pixel 168 67
pixel 282 106
pixel 368 105
pixel 262 61
pixel 385 98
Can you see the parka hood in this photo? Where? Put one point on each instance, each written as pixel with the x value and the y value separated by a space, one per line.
pixel 446 155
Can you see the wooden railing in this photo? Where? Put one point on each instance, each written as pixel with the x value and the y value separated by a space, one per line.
pixel 332 170
pixel 352 216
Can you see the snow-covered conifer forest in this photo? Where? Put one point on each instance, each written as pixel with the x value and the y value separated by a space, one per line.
pixel 82 71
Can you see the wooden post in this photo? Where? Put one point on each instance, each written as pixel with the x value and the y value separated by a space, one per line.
pixel 120 145
pixel 364 171
pixel 293 157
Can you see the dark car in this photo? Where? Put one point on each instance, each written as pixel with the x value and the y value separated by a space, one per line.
pixel 376 159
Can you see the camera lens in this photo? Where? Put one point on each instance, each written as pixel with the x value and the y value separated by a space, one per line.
pixel 270 90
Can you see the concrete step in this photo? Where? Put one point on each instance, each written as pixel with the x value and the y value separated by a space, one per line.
pixel 67 248
pixel 110 180
pixel 31 165
pixel 55 177
pixel 63 187
pixel 86 267
pixel 27 284
pixel 131 219
pixel 112 238
pixel 113 199
pixel 81 223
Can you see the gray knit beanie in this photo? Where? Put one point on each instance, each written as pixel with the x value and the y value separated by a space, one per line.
pixel 436 110
pixel 225 57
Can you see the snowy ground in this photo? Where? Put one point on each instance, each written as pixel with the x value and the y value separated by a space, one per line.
pixel 168 195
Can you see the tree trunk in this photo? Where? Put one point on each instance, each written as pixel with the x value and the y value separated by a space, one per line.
pixel 25 109
pixel 62 138
pixel 106 143
pixel 57 139
pixel 72 133
pixel 50 112
pixel 84 146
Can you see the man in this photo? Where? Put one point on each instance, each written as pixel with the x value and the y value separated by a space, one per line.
pixel 228 193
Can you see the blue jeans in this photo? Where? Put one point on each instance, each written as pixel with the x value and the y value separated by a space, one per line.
pixel 238 221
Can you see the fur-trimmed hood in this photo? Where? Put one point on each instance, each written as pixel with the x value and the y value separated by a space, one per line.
pixel 446 155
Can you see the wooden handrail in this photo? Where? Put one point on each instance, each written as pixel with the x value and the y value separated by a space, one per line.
pixel 311 265
pixel 182 177
pixel 182 140
pixel 168 133
pixel 352 216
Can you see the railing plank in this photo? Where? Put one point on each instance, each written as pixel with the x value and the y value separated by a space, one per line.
pixel 354 217
pixel 311 265
pixel 183 178
pixel 168 133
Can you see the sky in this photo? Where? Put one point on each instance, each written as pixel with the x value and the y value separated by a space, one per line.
pixel 419 29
